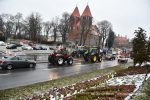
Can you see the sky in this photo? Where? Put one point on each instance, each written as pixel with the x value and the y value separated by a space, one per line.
pixel 125 15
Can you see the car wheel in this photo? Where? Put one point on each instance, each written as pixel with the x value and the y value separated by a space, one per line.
pixel 70 61
pixel 9 67
pixel 60 61
pixel 31 65
pixel 93 58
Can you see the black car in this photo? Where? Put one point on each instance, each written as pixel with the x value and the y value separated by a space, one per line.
pixel 39 48
pixel 11 46
pixel 11 62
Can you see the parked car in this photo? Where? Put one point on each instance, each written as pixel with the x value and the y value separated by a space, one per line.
pixel 26 47
pixel 39 48
pixel 2 43
pixel 122 59
pixel 2 54
pixel 110 57
pixel 11 62
pixel 11 46
pixel 59 57
pixel 91 55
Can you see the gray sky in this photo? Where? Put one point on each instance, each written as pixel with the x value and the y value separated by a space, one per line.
pixel 125 15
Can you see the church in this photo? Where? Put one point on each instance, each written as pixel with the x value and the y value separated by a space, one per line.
pixel 82 30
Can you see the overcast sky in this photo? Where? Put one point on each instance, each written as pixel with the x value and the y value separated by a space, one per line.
pixel 125 15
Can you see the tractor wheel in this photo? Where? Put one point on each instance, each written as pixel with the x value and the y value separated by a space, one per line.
pixel 100 59
pixel 93 58
pixel 85 58
pixel 60 61
pixel 70 61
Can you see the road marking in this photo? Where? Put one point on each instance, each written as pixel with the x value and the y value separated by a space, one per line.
pixel 4 74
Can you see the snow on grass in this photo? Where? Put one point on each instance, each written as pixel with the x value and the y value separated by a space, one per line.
pixel 136 80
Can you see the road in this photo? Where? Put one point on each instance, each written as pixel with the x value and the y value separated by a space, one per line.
pixel 44 72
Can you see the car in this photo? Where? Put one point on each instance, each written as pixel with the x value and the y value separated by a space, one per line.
pixel 78 52
pixel 92 55
pixel 11 62
pixel 122 59
pixel 59 57
pixel 110 57
pixel 2 54
pixel 26 47
pixel 11 46
pixel 2 43
pixel 39 48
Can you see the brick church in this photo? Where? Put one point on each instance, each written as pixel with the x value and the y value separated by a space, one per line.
pixel 76 21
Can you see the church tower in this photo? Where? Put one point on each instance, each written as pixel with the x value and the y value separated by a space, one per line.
pixel 85 25
pixel 74 25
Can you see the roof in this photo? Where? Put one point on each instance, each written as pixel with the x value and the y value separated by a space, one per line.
pixel 76 12
pixel 87 12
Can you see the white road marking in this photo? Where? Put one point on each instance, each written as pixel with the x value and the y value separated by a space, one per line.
pixel 5 74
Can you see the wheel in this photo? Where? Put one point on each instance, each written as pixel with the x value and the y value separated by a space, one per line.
pixel 70 61
pixel 100 59
pixel 93 58
pixel 85 58
pixel 31 65
pixel 60 61
pixel 9 67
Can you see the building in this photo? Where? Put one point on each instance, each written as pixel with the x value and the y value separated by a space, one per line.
pixel 80 22
pixel 121 41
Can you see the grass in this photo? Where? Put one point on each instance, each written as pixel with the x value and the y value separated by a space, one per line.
pixel 42 87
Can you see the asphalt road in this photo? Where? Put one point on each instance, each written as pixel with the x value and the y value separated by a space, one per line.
pixel 45 72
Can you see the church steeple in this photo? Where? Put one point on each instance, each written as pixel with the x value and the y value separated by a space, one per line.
pixel 87 12
pixel 76 12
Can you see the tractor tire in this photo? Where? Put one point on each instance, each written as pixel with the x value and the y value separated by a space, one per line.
pixel 70 61
pixel 85 58
pixel 100 59
pixel 60 61
pixel 93 58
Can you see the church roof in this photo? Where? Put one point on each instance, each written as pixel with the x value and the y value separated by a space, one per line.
pixel 76 12
pixel 87 12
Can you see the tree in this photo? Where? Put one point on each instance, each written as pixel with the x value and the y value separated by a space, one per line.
pixel 85 26
pixel 140 47
pixel 17 24
pixel 64 26
pixel 104 27
pixel 55 27
pixel 47 28
pixel 8 25
pixel 110 39
pixel 2 24
pixel 34 27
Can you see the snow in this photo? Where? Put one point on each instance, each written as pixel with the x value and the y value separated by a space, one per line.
pixel 136 80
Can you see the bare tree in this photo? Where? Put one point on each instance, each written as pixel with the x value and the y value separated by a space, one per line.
pixel 104 27
pixel 8 25
pixel 2 24
pixel 47 28
pixel 34 27
pixel 17 24
pixel 55 25
pixel 64 26
pixel 85 26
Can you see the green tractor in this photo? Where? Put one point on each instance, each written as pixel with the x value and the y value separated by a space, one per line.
pixel 92 55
